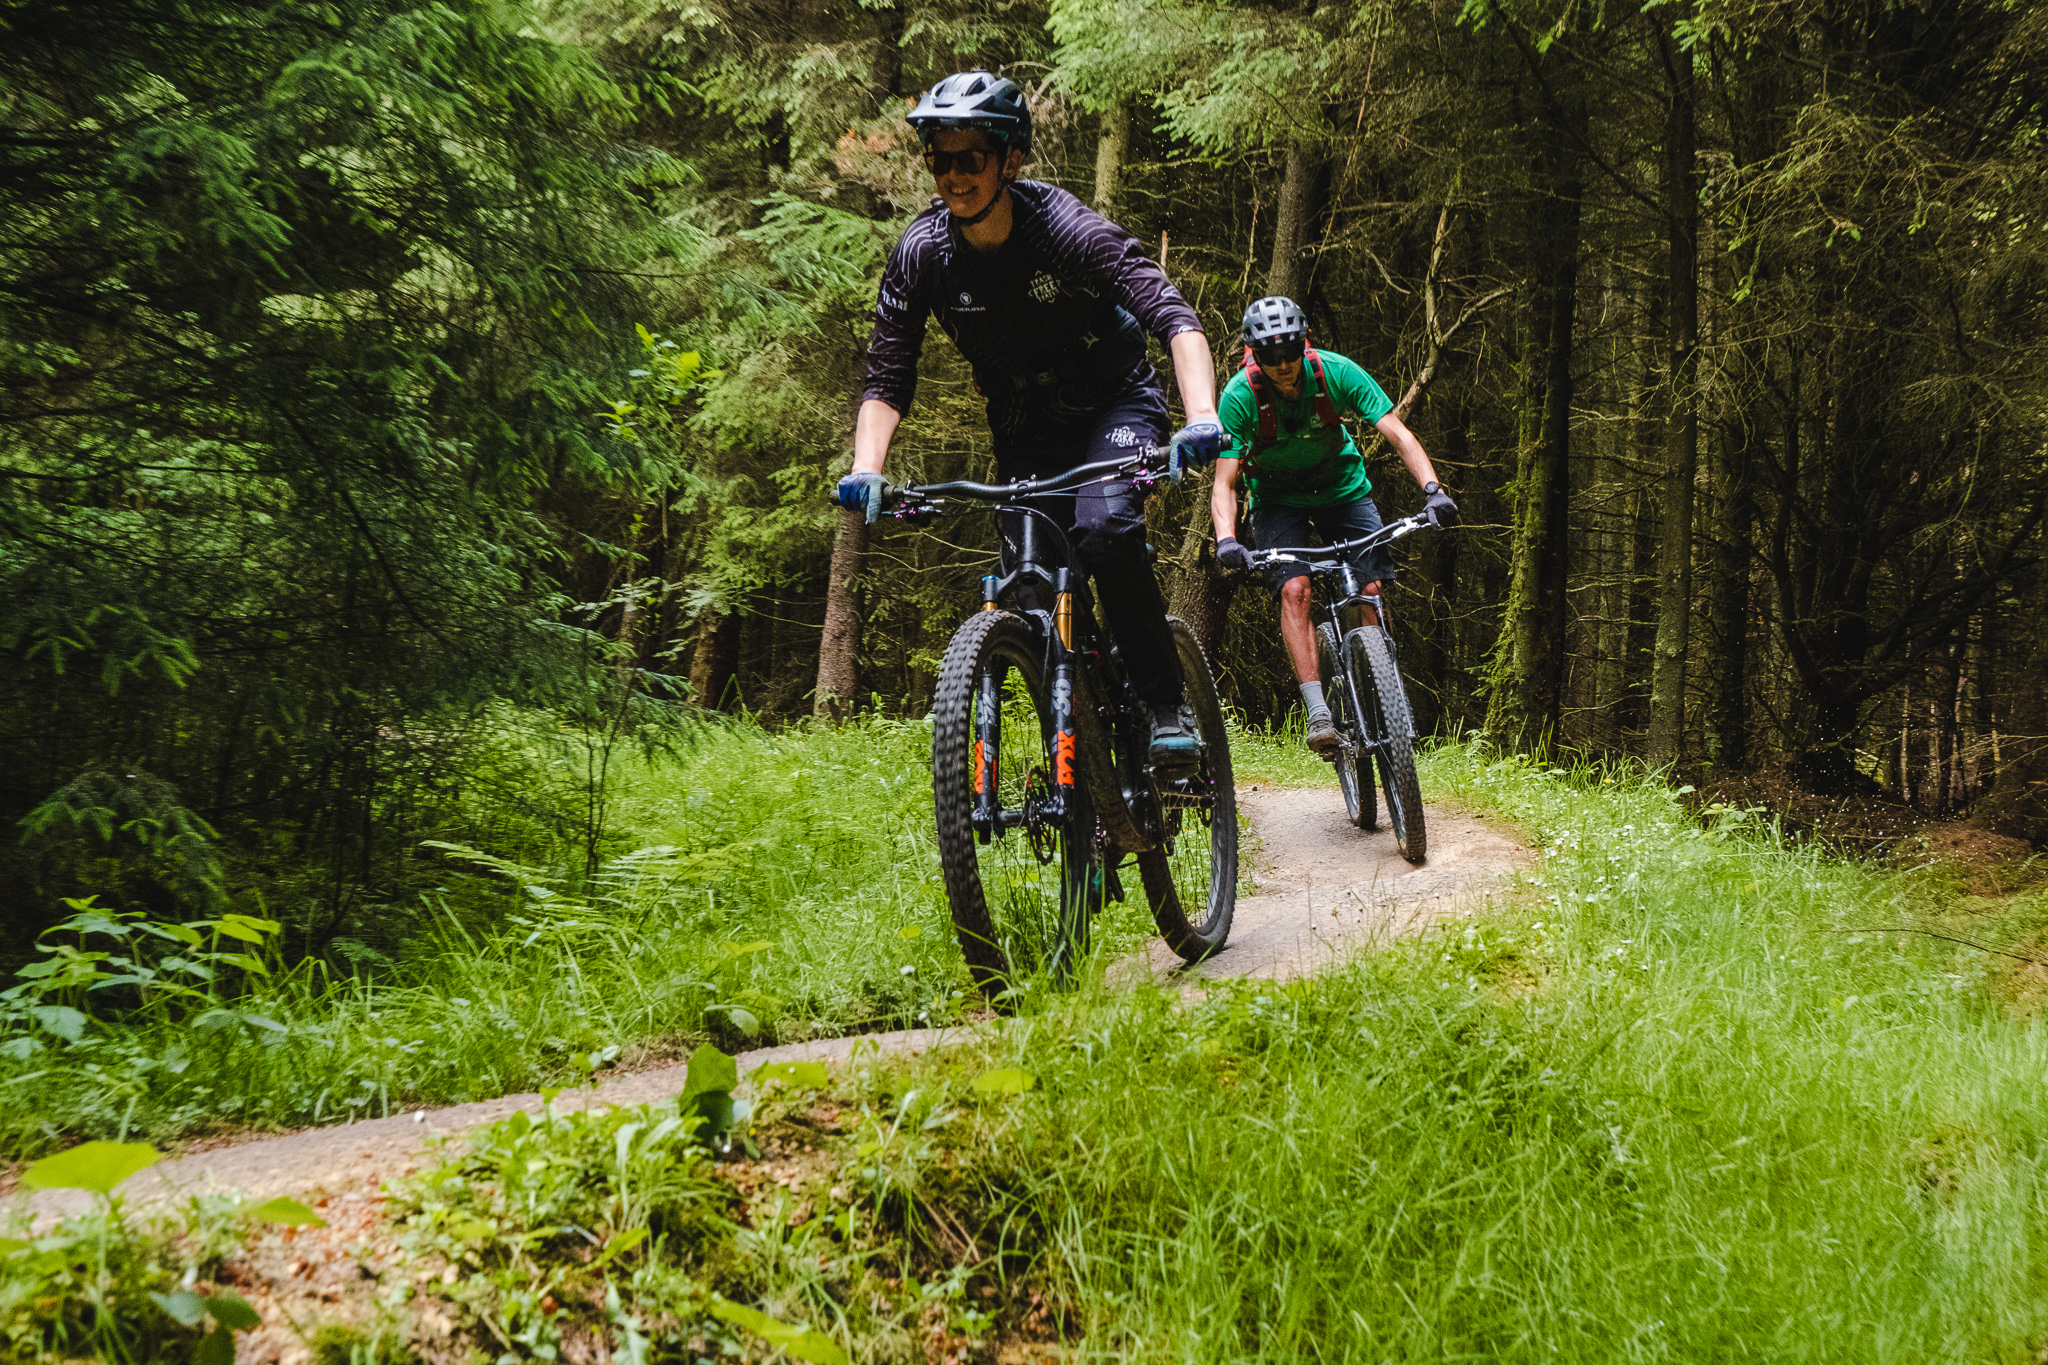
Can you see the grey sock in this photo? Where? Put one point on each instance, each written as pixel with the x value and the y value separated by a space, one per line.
pixel 1312 694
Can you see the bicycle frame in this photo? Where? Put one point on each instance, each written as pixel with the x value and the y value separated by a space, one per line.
pixel 1346 613
pixel 1057 628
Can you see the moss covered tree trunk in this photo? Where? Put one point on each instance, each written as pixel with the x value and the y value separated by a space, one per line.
pixel 1681 425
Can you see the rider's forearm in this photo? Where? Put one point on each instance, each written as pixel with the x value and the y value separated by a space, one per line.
pixel 1194 370
pixel 1409 449
pixel 1223 505
pixel 872 432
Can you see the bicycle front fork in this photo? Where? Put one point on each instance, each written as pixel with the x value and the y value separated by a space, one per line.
pixel 987 817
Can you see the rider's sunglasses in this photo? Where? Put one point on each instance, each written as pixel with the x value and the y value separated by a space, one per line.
pixel 1283 353
pixel 971 162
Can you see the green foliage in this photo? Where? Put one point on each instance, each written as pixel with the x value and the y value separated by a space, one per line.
pixel 97 1285
pixel 744 873
pixel 532 1211
pixel 303 309
pixel 1657 1101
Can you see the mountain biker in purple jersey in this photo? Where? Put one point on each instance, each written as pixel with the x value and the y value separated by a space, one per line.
pixel 1302 474
pixel 1050 303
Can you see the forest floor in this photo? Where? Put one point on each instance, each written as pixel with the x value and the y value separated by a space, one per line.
pixel 1325 890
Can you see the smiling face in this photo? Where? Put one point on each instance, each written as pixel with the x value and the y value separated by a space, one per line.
pixel 965 195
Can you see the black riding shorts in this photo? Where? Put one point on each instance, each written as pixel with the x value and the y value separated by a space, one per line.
pixel 1106 524
pixel 1275 527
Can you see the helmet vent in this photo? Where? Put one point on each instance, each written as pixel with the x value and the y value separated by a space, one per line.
pixel 976 88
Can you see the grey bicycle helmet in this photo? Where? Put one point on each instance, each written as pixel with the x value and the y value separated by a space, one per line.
pixel 976 99
pixel 1273 320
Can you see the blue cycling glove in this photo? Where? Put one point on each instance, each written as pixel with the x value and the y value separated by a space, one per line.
pixel 862 492
pixel 1232 555
pixel 1195 445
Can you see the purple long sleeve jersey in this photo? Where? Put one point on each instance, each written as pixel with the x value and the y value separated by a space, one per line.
pixel 1053 322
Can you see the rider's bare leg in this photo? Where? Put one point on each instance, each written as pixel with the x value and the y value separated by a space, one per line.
pixel 1370 614
pixel 1295 630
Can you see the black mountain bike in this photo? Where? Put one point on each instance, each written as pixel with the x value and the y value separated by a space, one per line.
pixel 1040 773
pixel 1362 683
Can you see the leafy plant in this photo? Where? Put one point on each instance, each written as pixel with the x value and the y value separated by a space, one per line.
pixel 96 1285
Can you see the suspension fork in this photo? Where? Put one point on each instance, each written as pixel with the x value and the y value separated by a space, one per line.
pixel 1060 652
pixel 988 742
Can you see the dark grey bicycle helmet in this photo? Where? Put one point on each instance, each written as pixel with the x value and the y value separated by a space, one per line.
pixel 976 99
pixel 1275 319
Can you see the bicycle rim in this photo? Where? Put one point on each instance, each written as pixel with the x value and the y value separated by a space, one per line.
pixel 1191 876
pixel 1022 895
pixel 1388 711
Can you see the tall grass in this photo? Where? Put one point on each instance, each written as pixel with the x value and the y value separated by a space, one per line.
pixel 1672 1102
pixel 784 883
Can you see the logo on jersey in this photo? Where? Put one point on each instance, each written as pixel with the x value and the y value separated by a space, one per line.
pixel 966 297
pixel 1123 436
pixel 1044 287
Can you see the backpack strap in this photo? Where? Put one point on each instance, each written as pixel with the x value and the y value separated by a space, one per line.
pixel 1269 425
pixel 1326 412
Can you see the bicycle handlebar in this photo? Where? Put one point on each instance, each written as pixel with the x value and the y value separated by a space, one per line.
pixel 1149 460
pixel 1392 531
pixel 1147 467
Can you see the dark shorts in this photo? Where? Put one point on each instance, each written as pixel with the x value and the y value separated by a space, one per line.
pixel 1274 527
pixel 1106 523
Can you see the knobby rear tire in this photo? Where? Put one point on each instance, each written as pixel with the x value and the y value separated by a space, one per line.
pixel 1012 914
pixel 1193 888
pixel 1340 694
pixel 1385 698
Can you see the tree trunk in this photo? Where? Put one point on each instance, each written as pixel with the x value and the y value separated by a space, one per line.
pixel 1201 592
pixel 2018 804
pixel 887 68
pixel 1725 723
pixel 839 649
pixel 1681 428
pixel 714 658
pixel 1295 227
pixel 1112 150
pixel 1529 687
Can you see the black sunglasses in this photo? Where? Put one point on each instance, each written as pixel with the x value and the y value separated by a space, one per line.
pixel 972 162
pixel 1285 353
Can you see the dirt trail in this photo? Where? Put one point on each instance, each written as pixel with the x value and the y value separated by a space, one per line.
pixel 1325 890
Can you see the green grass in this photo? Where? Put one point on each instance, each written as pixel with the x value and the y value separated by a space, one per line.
pixel 787 879
pixel 1681 1094
pixel 1672 1104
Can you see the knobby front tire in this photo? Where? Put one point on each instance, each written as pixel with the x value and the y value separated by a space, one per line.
pixel 1021 902
pixel 1191 876
pixel 1385 699
pixel 1340 695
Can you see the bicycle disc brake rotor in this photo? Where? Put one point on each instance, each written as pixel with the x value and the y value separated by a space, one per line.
pixel 1038 831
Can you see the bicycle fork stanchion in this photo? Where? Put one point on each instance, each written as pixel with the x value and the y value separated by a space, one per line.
pixel 1061 648
pixel 986 815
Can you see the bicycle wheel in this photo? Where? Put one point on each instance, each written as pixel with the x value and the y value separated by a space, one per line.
pixel 1191 875
pixel 1385 702
pixel 1022 892
pixel 1355 782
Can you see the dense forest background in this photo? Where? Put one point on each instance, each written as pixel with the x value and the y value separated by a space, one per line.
pixel 407 410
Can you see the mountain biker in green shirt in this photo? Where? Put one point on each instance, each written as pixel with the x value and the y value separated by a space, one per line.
pixel 1302 474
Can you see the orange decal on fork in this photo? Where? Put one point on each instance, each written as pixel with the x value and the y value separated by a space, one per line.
pixel 980 773
pixel 1063 758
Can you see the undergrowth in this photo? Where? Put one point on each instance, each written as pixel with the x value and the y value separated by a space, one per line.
pixel 1682 1094
pixel 758 887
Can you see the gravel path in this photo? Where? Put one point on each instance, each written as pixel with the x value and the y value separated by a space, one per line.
pixel 1325 890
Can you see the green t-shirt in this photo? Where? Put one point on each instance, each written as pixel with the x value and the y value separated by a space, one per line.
pixel 1292 472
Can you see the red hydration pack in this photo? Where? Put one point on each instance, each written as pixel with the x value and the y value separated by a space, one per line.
pixel 1269 426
